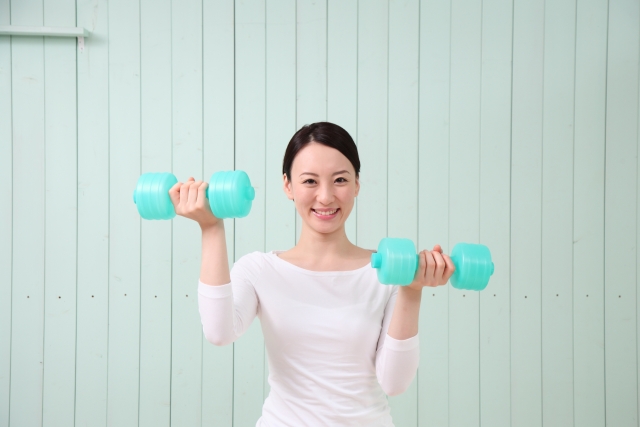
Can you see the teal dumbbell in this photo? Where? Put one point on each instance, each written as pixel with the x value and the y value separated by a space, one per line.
pixel 229 192
pixel 397 263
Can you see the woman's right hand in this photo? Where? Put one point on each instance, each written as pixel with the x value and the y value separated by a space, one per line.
pixel 190 201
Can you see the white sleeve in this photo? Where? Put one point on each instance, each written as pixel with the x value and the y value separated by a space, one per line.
pixel 396 360
pixel 226 311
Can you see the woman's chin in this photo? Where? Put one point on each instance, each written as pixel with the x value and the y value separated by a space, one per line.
pixel 324 227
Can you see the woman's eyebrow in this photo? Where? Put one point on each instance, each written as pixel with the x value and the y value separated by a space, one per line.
pixel 315 174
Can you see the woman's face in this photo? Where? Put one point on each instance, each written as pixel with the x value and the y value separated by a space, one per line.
pixel 322 181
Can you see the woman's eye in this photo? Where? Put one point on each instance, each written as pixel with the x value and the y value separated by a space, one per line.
pixel 312 181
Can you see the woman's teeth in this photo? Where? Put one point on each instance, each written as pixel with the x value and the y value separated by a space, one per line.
pixel 326 213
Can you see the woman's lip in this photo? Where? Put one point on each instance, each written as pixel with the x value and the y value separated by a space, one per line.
pixel 324 216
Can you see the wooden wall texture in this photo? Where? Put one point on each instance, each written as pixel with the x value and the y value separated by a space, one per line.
pixel 513 123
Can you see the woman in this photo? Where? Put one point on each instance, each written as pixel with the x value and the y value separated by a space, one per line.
pixel 337 340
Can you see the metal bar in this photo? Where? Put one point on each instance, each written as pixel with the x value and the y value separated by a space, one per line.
pixel 14 30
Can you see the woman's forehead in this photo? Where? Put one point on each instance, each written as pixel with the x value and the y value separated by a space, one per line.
pixel 320 158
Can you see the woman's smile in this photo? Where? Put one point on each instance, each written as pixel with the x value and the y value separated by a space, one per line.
pixel 326 214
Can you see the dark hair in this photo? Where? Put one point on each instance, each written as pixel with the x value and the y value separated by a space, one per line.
pixel 325 133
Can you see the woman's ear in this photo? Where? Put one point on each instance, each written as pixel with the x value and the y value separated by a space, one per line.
pixel 357 186
pixel 286 186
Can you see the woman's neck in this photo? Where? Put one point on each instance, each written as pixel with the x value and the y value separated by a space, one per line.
pixel 320 246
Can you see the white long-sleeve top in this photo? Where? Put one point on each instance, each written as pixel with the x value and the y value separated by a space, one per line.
pixel 330 358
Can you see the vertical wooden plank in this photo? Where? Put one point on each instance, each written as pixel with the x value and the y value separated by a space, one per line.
pixel 557 213
pixel 637 183
pixel 27 323
pixel 280 126
pixel 61 217
pixel 124 224
pixel 342 77
pixel 373 31
pixel 155 240
pixel 373 59
pixel 249 352
pixel 218 114
pixel 219 96
pixel 464 207
pixel 280 119
pixel 187 133
pixel 620 269
pixel 433 206
pixel 311 67
pixel 6 211
pixel 311 51
pixel 588 213
pixel 495 174
pixel 526 177
pixel 93 216
pixel 404 33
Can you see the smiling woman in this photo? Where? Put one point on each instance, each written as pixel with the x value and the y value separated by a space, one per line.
pixel 333 342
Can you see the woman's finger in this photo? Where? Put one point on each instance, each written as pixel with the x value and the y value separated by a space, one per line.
pixel 431 266
pixel 422 266
pixel 174 194
pixel 450 267
pixel 202 193
pixel 193 193
pixel 440 265
pixel 184 193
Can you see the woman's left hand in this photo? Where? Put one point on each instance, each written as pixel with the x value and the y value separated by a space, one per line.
pixel 434 269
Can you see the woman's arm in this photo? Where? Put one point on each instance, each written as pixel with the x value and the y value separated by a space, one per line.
pixel 435 269
pixel 190 201
pixel 227 310
pixel 398 353
pixel 214 269
pixel 397 358
pixel 404 321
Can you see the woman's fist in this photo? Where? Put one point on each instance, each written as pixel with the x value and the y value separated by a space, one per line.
pixel 190 201
pixel 435 269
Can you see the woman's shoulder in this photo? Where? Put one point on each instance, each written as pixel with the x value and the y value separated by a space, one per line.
pixel 363 253
pixel 366 252
pixel 250 263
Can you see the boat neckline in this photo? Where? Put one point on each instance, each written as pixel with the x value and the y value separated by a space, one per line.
pixel 274 254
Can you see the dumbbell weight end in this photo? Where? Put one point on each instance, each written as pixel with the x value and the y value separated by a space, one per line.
pixel 396 261
pixel 230 194
pixel 473 265
pixel 151 195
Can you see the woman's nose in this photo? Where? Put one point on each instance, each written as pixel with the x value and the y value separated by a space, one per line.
pixel 325 194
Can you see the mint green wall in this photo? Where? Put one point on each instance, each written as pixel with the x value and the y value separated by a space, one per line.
pixel 510 123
